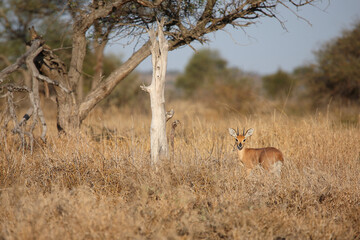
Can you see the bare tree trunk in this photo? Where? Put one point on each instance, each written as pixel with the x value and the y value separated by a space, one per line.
pixel 67 108
pixel 159 51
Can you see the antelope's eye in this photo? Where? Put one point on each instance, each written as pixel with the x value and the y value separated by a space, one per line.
pixel 236 139
pixel 244 140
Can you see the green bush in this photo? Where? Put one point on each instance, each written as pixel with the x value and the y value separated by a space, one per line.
pixel 278 85
pixel 336 74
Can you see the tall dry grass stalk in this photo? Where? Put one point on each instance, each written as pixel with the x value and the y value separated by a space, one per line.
pixel 99 184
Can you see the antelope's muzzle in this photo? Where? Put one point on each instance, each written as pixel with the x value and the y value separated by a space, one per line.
pixel 240 146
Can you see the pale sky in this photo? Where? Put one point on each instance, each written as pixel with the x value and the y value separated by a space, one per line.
pixel 266 46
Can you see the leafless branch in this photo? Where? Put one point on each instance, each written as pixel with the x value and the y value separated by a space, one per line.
pixel 169 114
pixel 172 137
pixel 21 60
pixel 13 117
pixel 62 48
pixel 26 117
pixel 34 94
pixel 35 110
pixel 37 75
pixel 301 3
pixel 14 88
pixel 297 15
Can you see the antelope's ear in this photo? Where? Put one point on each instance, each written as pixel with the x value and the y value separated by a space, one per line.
pixel 232 132
pixel 249 132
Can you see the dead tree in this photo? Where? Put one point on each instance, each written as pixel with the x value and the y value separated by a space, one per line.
pixel 159 51
pixel 35 111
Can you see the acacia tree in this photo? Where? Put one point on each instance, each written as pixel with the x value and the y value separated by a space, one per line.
pixel 336 73
pixel 184 22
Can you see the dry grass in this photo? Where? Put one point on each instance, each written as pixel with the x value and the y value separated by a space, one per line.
pixel 77 187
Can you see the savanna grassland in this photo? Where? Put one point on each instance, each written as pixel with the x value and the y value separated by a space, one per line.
pixel 98 184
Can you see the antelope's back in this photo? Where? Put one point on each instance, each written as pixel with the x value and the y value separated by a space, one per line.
pixel 270 156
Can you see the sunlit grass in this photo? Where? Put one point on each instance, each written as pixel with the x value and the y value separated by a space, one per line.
pixel 98 184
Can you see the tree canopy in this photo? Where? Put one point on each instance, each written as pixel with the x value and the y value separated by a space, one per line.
pixel 208 77
pixel 95 22
pixel 336 71
pixel 278 85
pixel 204 68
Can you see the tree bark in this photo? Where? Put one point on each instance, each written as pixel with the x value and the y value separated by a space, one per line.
pixel 99 44
pixel 51 66
pixel 159 52
pixel 77 60
pixel 105 87
pixel 67 110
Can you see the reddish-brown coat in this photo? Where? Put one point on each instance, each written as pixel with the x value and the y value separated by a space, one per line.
pixel 251 157
pixel 265 157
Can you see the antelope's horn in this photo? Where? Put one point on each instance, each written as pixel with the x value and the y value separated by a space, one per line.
pixel 237 131
pixel 243 131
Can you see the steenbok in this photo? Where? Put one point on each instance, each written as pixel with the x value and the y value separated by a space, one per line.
pixel 269 158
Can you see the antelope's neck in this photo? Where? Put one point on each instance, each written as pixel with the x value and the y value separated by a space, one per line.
pixel 241 153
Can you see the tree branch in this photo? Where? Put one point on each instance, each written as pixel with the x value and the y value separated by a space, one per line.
pixel 14 88
pixel 34 95
pixel 37 75
pixel 21 60
pixel 105 87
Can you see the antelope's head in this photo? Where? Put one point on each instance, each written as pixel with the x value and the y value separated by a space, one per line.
pixel 240 138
